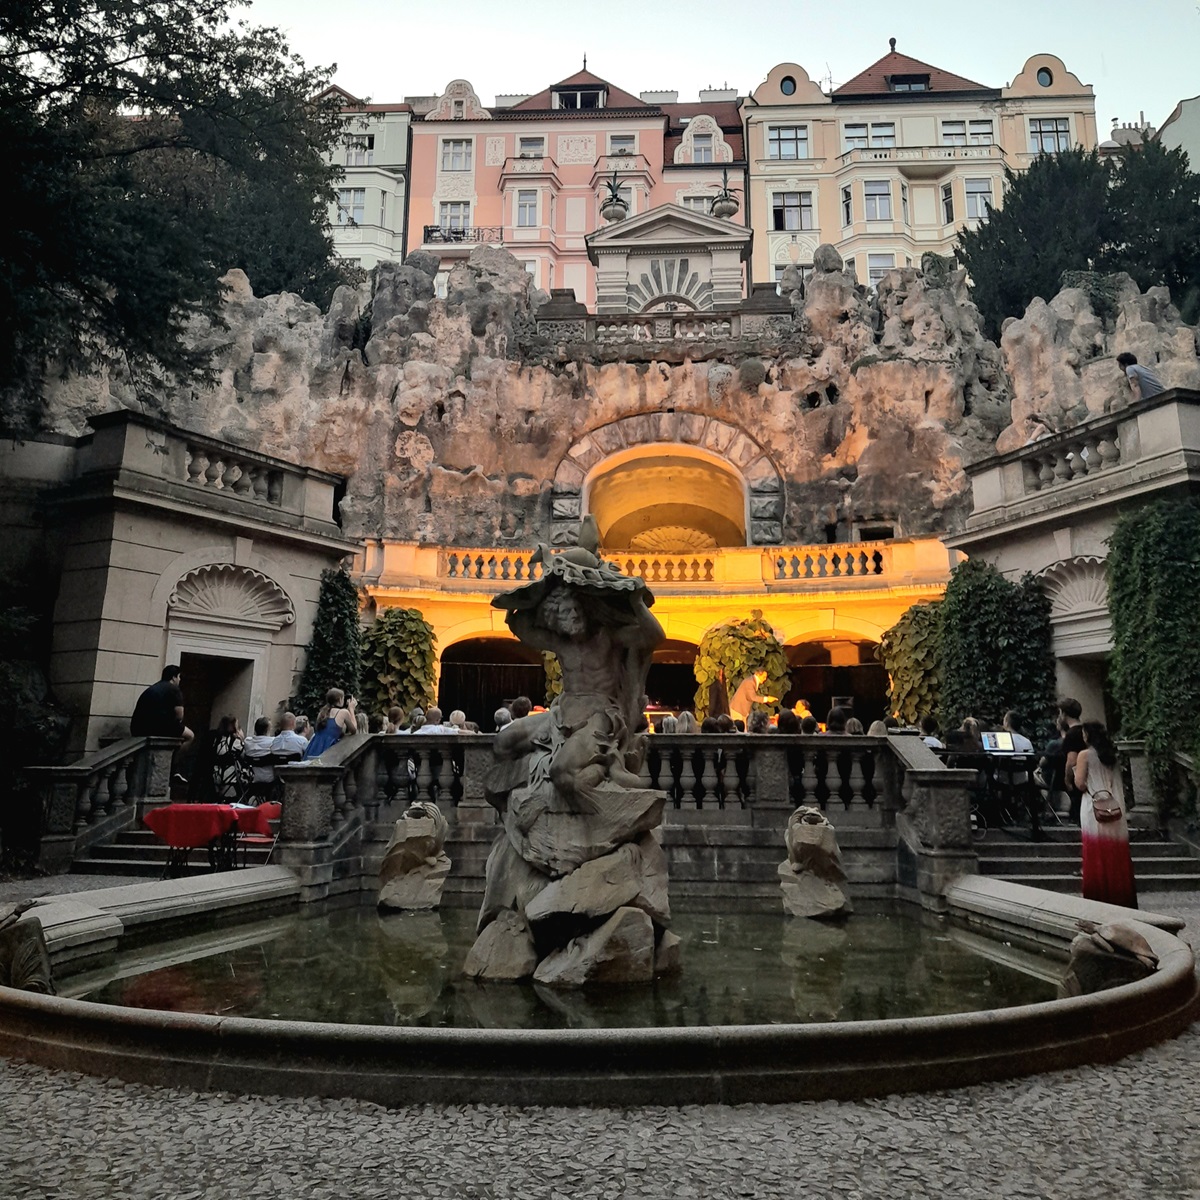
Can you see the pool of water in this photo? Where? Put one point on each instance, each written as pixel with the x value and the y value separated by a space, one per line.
pixel 355 965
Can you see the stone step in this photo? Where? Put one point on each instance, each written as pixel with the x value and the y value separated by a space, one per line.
pixel 1065 883
pixel 1177 865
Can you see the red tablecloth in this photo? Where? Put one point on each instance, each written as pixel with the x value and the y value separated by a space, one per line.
pixel 187 825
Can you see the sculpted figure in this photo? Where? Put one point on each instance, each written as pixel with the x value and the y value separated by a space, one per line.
pixel 566 784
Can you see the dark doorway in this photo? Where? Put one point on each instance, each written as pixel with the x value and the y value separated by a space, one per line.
pixel 823 671
pixel 480 675
pixel 671 680
pixel 214 687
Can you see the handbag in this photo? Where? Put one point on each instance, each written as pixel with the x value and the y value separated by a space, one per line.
pixel 1105 806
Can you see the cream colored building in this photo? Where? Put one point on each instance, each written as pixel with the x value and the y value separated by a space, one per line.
pixel 1181 130
pixel 368 218
pixel 895 162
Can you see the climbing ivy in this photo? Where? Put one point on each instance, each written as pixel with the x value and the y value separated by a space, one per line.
pixel 996 650
pixel 911 654
pixel 1153 569
pixel 735 650
pixel 399 659
pixel 335 652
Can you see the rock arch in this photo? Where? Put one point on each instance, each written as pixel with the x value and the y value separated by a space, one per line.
pixel 764 485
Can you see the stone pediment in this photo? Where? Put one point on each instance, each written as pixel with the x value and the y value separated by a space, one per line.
pixel 670 227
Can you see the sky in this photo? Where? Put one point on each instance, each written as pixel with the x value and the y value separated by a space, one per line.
pixel 1139 57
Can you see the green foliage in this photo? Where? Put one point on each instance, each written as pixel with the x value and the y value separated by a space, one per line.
pixel 553 670
pixel 1074 212
pixel 335 653
pixel 734 651
pixel 1153 571
pixel 399 660
pixel 996 650
pixel 911 654
pixel 150 146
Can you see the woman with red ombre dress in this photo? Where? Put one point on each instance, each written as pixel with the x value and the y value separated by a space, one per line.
pixel 1107 866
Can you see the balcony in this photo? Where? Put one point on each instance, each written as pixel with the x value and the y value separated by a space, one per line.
pixel 470 235
pixel 1149 447
pixel 923 162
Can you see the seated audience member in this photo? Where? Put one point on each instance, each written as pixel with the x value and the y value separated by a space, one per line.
pixel 458 719
pixel 758 722
pixel 724 723
pixel 891 722
pixel 416 719
pixel 376 723
pixel 709 725
pixel 1012 722
pixel 789 722
pixel 471 727
pixel 395 715
pixel 520 707
pixel 687 722
pixel 669 724
pixel 810 725
pixel 854 727
pixel 230 772
pixel 929 730
pixel 288 740
pixel 258 752
pixel 835 722
pixel 878 729
pixel 304 727
pixel 501 718
pixel 433 722
pixel 970 728
pixel 362 722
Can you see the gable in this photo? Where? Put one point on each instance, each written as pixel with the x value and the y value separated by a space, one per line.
pixel 669 225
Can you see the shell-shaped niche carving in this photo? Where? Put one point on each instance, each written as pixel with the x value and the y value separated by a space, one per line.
pixel 672 539
pixel 1076 586
pixel 231 594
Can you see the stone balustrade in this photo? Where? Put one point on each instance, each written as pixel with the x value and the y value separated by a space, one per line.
pixel 855 560
pixel 664 327
pixel 222 470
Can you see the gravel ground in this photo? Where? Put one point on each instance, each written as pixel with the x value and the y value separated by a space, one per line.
pixel 1125 1130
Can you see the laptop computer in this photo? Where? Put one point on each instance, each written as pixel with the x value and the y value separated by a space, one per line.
pixel 1000 742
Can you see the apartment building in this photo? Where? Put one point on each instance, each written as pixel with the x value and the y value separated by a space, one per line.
pixel 530 173
pixel 896 161
pixel 368 218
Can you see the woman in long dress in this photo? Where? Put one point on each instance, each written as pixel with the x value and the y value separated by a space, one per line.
pixel 1107 865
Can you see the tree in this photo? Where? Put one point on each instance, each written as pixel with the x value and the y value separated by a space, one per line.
pixel 1073 211
pixel 148 144
pixel 734 651
pixel 911 653
pixel 399 657
pixel 335 652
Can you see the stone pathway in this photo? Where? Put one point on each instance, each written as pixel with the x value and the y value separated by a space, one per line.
pixel 1124 1130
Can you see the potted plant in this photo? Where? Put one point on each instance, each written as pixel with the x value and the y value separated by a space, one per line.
pixel 725 203
pixel 613 206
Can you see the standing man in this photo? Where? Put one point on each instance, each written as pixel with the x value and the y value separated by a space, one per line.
pixel 159 713
pixel 1142 381
pixel 747 696
pixel 1073 745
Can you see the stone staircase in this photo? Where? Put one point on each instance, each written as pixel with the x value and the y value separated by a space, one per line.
pixel 136 851
pixel 1159 864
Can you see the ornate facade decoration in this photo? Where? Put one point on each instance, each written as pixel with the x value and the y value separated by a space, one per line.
pixel 494 152
pixel 1076 588
pixel 459 102
pixel 576 148
pixel 685 152
pixel 228 594
pixel 664 280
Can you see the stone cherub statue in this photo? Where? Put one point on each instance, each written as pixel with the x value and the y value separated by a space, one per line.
pixel 566 784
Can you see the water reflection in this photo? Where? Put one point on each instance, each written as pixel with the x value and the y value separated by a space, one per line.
pixel 405 969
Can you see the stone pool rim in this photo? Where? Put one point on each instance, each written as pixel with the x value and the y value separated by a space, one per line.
pixel 728 1064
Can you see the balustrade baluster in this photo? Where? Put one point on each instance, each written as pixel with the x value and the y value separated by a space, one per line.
pixel 243 484
pixel 645 773
pixel 262 488
pixel 216 468
pixel 1062 468
pixel 686 782
pixel 708 779
pixel 350 786
pixel 275 487
pixel 197 464
pixel 339 801
pixel 367 783
pixel 857 777
pixel 231 474
pixel 426 787
pixel 808 776
pixel 745 763
pixel 809 564
pixel 112 783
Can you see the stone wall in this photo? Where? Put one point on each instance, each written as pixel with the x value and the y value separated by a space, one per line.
pixel 450 417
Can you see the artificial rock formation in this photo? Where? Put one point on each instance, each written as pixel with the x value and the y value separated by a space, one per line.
pixel 1106 956
pixel 415 865
pixel 576 885
pixel 24 959
pixel 812 874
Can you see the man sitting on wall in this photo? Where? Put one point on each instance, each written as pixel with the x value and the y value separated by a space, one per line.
pixel 159 713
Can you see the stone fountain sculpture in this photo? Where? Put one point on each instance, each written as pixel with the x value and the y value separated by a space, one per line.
pixel 811 876
pixel 576 887
pixel 415 865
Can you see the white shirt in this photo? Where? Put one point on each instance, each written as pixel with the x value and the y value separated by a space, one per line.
pixel 289 742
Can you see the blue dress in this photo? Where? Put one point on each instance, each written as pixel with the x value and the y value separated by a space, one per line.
pixel 328 735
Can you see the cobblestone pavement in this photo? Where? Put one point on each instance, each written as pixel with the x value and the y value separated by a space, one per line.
pixel 1124 1130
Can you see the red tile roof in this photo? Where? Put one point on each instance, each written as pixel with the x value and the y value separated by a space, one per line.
pixel 874 80
pixel 616 98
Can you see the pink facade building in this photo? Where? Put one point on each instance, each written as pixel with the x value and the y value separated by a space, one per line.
pixel 530 172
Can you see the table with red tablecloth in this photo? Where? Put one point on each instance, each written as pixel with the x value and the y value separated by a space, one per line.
pixel 185 827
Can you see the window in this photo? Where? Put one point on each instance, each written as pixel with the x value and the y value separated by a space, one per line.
pixel 626 193
pixel 805 270
pixel 531 267
pixel 792 210
pixel 883 133
pixel 980 133
pixel 698 204
pixel 621 143
pixel 527 209
pixel 909 83
pixel 954 133
pixel 979 199
pixel 847 207
pixel 360 149
pixel 460 109
pixel 352 203
pixel 878 265
pixel 531 147
pixel 853 273
pixel 1045 77
pixel 455 214
pixel 787 141
pixel 702 148
pixel 904 202
pixel 456 154
pixel 948 203
pixel 787 85
pixel 878 196
pixel 1049 135
pixel 855 137
pixel 583 98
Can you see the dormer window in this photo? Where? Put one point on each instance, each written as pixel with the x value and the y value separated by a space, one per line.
pixel 908 83
pixel 579 98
